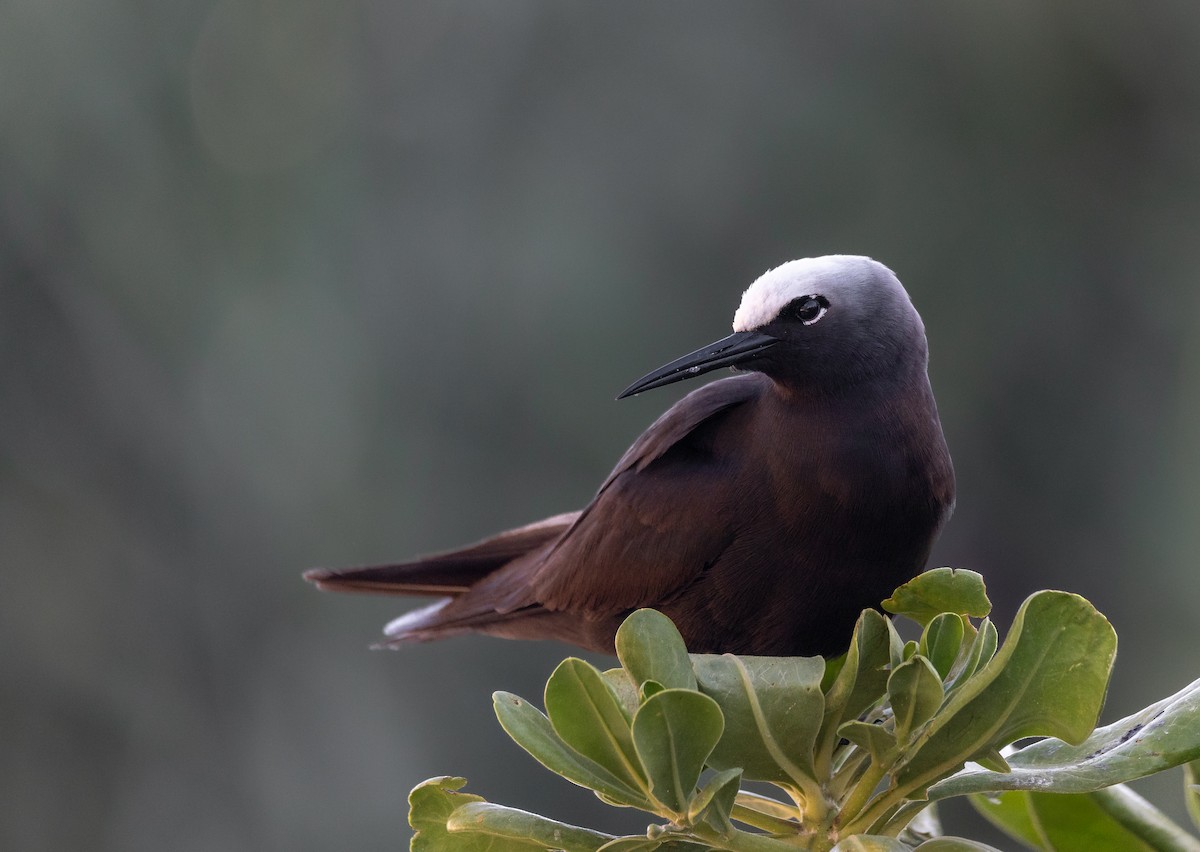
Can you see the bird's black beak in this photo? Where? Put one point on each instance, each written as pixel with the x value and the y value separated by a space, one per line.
pixel 735 349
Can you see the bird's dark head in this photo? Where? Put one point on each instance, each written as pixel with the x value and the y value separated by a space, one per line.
pixel 821 323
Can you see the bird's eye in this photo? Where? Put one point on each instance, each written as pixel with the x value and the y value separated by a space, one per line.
pixel 810 309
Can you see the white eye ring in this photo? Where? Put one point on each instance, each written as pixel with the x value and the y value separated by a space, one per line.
pixel 812 309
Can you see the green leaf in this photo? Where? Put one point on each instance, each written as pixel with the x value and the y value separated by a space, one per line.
pixel 980 652
pixel 1142 819
pixel 433 806
pixel 624 688
pixel 497 821
pixel 1010 813
pixel 994 760
pixel 429 806
pixel 1062 823
pixel 674 732
pixel 862 679
pixel 1164 735
pixel 942 641
pixel 879 742
pixel 1191 790
pixel 1078 824
pixel 1113 818
pixel 834 666
pixel 533 732
pixel 650 687
pixel 714 801
pixel 915 692
pixel 990 639
pixel 650 648
pixel 1049 678
pixel 772 708
pixel 941 590
pixel 588 717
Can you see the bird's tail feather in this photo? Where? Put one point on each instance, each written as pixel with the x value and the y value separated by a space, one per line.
pixel 450 573
pixel 435 622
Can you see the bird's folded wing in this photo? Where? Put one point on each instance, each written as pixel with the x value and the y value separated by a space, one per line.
pixel 660 519
pixel 682 418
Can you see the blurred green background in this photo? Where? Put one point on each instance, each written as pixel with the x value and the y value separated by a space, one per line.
pixel 302 283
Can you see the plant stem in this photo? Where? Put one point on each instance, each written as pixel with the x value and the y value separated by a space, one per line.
pixel 861 793
pixel 1144 820
pixel 766 822
pixel 744 841
pixel 875 813
pixel 823 759
pixel 767 805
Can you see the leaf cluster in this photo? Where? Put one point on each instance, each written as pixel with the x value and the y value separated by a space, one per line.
pixel 857 748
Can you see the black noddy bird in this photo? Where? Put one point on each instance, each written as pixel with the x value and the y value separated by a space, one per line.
pixel 762 513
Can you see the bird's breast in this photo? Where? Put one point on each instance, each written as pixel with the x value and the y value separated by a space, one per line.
pixel 837 469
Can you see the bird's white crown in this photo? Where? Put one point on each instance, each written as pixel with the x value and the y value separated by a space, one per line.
pixel 808 276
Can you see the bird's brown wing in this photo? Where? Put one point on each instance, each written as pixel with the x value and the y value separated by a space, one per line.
pixel 661 517
pixel 683 418
pixel 448 573
pixel 658 520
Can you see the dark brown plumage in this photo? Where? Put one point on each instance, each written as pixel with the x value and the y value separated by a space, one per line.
pixel 761 513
